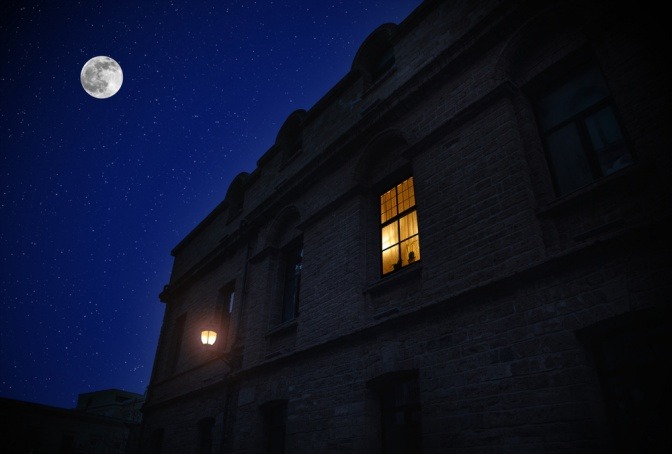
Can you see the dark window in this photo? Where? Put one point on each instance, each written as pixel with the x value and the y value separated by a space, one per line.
pixel 383 64
pixel 226 299
pixel 400 410
pixel 292 263
pixel 205 435
pixel 400 242
pixel 176 345
pixel 275 413
pixel 630 353
pixel 157 441
pixel 67 444
pixel 580 130
pixel 294 147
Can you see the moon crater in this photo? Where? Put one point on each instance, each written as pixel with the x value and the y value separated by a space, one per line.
pixel 101 77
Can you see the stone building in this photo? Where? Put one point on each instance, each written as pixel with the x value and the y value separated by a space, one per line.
pixel 464 246
pixel 104 422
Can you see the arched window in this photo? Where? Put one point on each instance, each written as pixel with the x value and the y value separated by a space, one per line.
pixel 235 195
pixel 290 136
pixel 393 187
pixel 376 57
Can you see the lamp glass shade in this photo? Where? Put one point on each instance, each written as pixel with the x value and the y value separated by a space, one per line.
pixel 208 337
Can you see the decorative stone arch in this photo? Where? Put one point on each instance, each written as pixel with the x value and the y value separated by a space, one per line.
pixel 524 54
pixel 290 137
pixel 375 56
pixel 383 149
pixel 235 195
pixel 284 227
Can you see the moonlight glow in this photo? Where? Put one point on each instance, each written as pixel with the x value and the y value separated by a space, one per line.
pixel 101 77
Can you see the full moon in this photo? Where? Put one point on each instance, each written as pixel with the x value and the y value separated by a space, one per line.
pixel 101 77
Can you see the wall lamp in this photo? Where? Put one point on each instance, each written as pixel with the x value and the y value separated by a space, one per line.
pixel 232 359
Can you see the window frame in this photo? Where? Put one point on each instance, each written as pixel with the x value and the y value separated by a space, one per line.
pixel 226 302
pixel 398 393
pixel 579 120
pixel 396 219
pixel 289 311
pixel 176 343
pixel 275 422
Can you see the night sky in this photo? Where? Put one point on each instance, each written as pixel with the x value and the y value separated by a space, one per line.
pixel 97 192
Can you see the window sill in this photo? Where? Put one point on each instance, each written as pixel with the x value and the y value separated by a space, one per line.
pixel 409 272
pixel 285 328
pixel 607 183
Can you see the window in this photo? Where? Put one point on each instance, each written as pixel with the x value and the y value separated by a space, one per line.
pixel 67 443
pixel 176 345
pixel 631 356
pixel 400 411
pixel 226 298
pixel 383 64
pixel 291 282
pixel 580 130
pixel 375 57
pixel 205 426
pixel 275 413
pixel 400 242
pixel 156 443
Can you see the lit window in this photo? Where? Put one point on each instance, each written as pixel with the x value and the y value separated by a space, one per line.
pixel 581 133
pixel 400 243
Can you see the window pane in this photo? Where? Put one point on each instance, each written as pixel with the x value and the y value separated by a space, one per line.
pixel 406 195
pixel 292 279
pixel 410 250
pixel 408 225
pixel 388 205
pixel 389 235
pixel 578 93
pixel 568 158
pixel 390 259
pixel 608 141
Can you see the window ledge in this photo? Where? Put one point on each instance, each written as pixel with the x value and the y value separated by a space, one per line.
pixel 565 201
pixel 285 328
pixel 409 272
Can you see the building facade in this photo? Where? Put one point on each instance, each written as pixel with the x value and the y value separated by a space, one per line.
pixel 462 247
